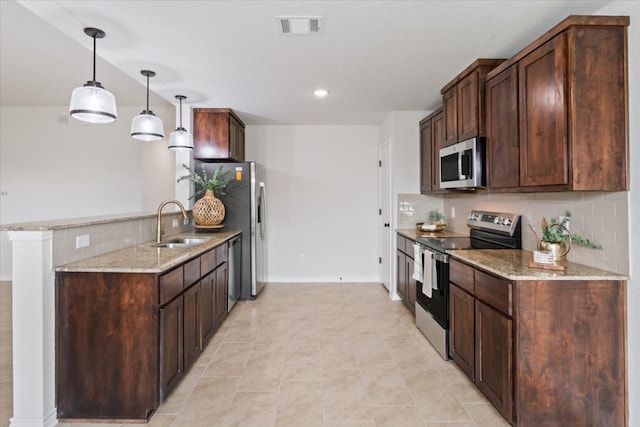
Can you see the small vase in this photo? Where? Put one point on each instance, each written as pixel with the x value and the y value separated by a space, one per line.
pixel 558 249
pixel 208 210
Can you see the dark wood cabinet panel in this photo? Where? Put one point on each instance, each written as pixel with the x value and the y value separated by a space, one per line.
pixel 494 357
pixel 207 318
pixel 461 340
pixel 401 286
pixel 412 286
pixel 572 110
pixel 107 364
pixel 463 102
pixel 543 120
pixel 406 285
pixel 426 155
pixel 192 324
pixel 503 138
pixel 431 141
pixel 171 346
pixel 171 285
pixel 218 134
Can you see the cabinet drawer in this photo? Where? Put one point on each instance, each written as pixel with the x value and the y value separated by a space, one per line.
pixel 207 262
pixel 494 291
pixel 461 274
pixel 191 272
pixel 222 252
pixel 171 285
pixel 401 243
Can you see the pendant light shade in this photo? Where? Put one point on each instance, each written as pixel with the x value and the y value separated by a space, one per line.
pixel 146 126
pixel 92 103
pixel 180 139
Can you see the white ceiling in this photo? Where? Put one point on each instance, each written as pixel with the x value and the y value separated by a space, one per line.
pixel 373 56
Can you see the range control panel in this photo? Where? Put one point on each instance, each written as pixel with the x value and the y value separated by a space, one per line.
pixel 505 223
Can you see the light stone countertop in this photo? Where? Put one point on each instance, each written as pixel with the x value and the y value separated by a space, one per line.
pixel 62 224
pixel 414 234
pixel 512 264
pixel 145 258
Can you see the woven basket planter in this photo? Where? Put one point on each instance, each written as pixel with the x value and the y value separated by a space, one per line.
pixel 209 210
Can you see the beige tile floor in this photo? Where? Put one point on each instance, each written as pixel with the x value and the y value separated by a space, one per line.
pixel 330 355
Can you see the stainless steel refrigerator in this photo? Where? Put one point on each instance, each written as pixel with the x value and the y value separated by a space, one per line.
pixel 245 210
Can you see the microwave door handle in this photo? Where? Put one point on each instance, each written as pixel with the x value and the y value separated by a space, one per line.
pixel 460 156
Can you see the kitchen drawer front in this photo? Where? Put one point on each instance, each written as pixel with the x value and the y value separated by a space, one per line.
pixel 207 262
pixel 171 285
pixel 496 292
pixel 222 252
pixel 191 272
pixel 462 275
pixel 400 243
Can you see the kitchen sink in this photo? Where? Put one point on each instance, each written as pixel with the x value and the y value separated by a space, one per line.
pixel 182 242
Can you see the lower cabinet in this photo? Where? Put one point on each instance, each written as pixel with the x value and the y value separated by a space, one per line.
pixel 543 352
pixel 125 340
pixel 405 284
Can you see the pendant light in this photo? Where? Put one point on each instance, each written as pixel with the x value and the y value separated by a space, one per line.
pixel 180 139
pixel 146 126
pixel 92 102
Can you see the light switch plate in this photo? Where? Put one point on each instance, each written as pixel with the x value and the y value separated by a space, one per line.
pixel 82 241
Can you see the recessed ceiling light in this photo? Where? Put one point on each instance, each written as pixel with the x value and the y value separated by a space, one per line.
pixel 321 93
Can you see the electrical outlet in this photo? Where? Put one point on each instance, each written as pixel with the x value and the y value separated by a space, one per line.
pixel 301 258
pixel 175 222
pixel 82 241
pixel 453 212
pixel 562 219
pixel 185 221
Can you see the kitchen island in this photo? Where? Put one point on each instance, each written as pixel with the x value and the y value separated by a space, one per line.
pixel 130 323
pixel 546 347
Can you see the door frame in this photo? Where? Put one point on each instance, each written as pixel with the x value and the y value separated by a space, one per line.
pixel 385 201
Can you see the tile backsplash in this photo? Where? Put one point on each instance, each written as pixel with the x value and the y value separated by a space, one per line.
pixel 599 216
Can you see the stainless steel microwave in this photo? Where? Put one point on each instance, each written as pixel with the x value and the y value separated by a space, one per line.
pixel 462 165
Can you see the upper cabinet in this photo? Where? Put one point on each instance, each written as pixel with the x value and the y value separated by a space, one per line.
pixel 218 134
pixel 463 102
pixel 557 116
pixel 431 141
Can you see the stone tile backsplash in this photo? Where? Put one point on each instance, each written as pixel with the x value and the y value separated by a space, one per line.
pixel 599 216
pixel 112 236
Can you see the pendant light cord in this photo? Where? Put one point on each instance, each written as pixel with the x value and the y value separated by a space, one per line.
pixel 180 112
pixel 147 91
pixel 94 57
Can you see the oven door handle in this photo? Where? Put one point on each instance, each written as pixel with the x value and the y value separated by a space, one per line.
pixel 444 258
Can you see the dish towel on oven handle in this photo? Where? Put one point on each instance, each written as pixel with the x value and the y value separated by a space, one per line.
pixel 417 262
pixel 429 273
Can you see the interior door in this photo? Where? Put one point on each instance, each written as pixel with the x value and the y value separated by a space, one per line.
pixel 384 183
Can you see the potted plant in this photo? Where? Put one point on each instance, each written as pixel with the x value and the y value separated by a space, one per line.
pixel 209 210
pixel 435 221
pixel 557 239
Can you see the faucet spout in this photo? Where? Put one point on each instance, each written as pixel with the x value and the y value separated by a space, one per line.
pixel 162 205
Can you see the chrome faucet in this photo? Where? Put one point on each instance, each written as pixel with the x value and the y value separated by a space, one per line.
pixel 162 205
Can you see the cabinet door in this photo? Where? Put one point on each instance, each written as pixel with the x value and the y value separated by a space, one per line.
pixel 450 111
pixel 437 137
pixel 543 115
pixel 210 135
pixel 468 107
pixel 461 331
pixel 494 358
pixel 221 294
pixel 240 144
pixel 233 138
pixel 171 346
pixel 426 156
pixel 503 145
pixel 192 330
pixel 207 320
pixel 401 280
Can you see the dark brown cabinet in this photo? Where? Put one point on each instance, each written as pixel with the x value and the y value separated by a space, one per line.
pixel 125 340
pixel 406 285
pixel 461 339
pixel 522 341
pixel 463 102
pixel 218 134
pixel 567 93
pixel 171 346
pixel 431 141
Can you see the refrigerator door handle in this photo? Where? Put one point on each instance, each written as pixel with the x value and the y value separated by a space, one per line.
pixel 262 202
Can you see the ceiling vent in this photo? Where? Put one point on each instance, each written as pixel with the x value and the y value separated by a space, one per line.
pixel 299 25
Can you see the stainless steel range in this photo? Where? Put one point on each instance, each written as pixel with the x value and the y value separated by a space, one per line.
pixel 489 230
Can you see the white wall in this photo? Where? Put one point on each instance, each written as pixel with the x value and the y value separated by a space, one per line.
pixel 322 193
pixel 54 167
pixel 632 9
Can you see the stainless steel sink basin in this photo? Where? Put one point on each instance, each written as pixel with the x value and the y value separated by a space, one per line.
pixel 182 242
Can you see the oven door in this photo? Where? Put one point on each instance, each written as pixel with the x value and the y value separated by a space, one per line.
pixel 436 300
